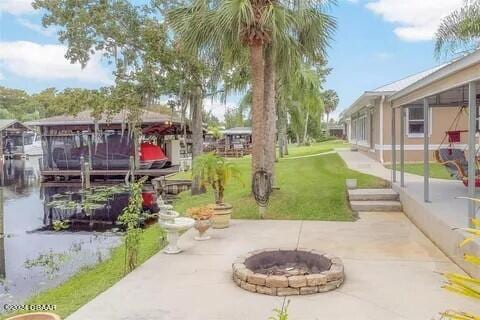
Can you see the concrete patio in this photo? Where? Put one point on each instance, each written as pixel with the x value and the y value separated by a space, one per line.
pixel 436 218
pixel 391 273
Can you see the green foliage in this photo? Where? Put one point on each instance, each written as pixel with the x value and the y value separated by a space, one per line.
pixel 59 225
pixel 50 262
pixel 465 285
pixel 216 133
pixel 89 282
pixel 330 101
pixel 216 172
pixel 235 117
pixel 281 314
pixel 459 30
pixel 311 188
pixel 437 170
pixel 130 219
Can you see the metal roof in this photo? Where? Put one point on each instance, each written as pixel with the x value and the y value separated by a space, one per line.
pixel 453 67
pixel 238 130
pixel 5 123
pixel 86 118
pixel 390 89
pixel 405 82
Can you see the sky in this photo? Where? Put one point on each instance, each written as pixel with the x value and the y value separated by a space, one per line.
pixel 376 42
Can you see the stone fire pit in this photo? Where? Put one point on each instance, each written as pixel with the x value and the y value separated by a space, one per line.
pixel 284 272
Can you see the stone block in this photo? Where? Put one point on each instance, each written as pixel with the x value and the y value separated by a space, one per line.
pixel 276 282
pixel 243 274
pixel 316 279
pixel 288 291
pixel 308 290
pixel 257 278
pixel 297 281
pixel 249 287
pixel 267 290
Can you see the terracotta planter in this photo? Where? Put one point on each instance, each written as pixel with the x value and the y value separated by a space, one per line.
pixel 36 316
pixel 223 213
pixel 202 225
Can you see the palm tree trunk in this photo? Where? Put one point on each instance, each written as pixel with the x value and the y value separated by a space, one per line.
pixel 286 141
pixel 270 110
pixel 258 120
pixel 197 133
pixel 306 128
pixel 282 131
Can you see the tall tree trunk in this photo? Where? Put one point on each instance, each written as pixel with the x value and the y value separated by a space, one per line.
pixel 258 120
pixel 305 132
pixel 282 128
pixel 196 103
pixel 286 141
pixel 270 110
pixel 298 139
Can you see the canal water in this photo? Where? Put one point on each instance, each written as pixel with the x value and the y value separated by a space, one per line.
pixel 33 256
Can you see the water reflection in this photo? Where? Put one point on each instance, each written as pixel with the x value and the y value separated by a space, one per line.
pixel 32 256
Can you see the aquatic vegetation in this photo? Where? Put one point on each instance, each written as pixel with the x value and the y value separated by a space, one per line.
pixel 50 262
pixel 59 225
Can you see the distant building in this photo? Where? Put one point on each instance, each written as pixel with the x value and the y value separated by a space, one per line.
pixel 13 137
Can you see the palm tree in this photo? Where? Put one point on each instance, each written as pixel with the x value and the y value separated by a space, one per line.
pixel 460 29
pixel 264 34
pixel 330 102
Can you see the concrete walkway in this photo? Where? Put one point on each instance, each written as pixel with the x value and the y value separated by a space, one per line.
pixel 436 218
pixel 391 273
pixel 309 155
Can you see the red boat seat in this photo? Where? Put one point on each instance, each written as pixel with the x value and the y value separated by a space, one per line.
pixel 151 152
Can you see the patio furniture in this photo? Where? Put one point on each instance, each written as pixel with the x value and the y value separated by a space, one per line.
pixel 456 163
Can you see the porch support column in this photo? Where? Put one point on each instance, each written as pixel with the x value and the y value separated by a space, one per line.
pixel 426 163
pixel 472 128
pixel 394 149
pixel 402 146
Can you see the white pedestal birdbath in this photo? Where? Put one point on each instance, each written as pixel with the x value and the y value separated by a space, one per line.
pixel 173 228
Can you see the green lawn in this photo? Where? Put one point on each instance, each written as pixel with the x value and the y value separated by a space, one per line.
pixel 297 151
pixel 436 170
pixel 91 281
pixel 310 188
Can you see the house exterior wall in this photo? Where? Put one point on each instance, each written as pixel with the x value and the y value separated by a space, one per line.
pixel 441 119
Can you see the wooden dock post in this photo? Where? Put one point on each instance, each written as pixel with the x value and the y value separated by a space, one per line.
pixel 87 175
pixel 82 171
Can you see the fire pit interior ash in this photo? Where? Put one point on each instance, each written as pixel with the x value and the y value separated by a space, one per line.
pixel 288 272
pixel 290 263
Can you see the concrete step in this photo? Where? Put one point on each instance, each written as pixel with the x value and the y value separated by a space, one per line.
pixel 376 205
pixel 372 194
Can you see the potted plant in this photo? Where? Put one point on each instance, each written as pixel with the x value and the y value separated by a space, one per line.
pixel 216 172
pixel 203 221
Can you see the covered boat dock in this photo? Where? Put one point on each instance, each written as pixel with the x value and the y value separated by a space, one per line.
pixel 107 147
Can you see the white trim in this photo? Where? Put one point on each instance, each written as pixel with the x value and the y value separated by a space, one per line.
pixel 363 143
pixel 382 101
pixel 418 135
pixel 419 147
pixel 444 72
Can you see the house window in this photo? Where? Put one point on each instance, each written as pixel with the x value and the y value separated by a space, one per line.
pixel 359 128
pixel 416 121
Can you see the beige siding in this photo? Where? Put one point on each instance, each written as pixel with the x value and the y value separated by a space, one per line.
pixel 441 121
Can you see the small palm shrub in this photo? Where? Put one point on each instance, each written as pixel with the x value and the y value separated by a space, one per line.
pixel 461 284
pixel 215 172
